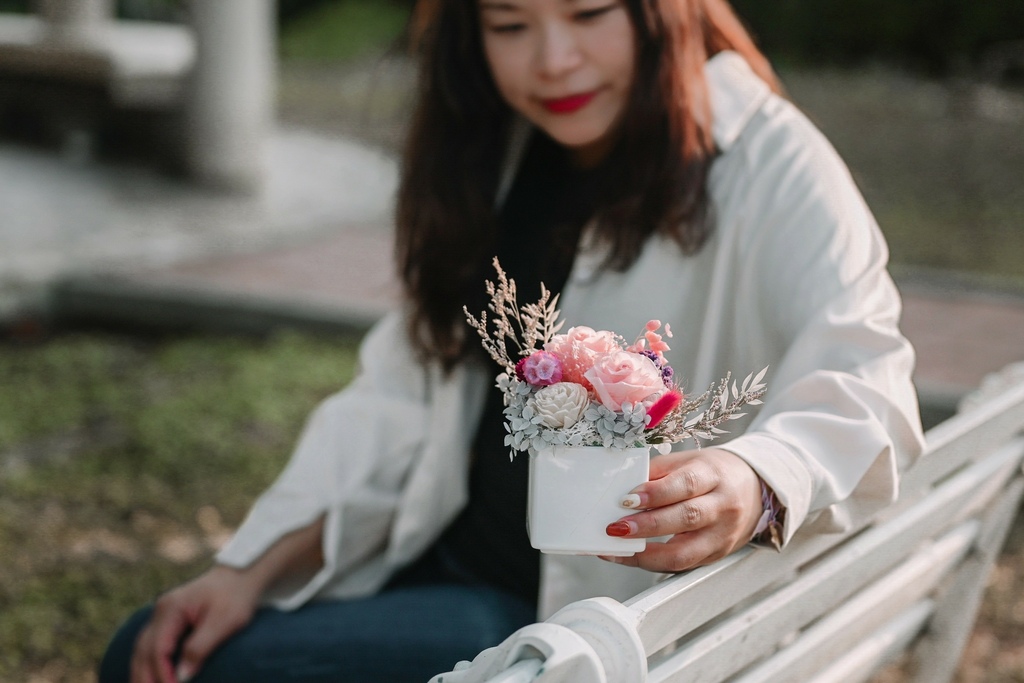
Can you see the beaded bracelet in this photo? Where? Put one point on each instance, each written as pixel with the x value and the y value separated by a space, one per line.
pixel 769 527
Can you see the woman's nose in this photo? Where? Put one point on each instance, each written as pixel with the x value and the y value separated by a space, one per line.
pixel 558 52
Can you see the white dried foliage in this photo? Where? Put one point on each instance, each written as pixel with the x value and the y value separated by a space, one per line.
pixel 529 327
pixel 678 426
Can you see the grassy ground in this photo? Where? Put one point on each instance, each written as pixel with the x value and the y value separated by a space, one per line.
pixel 340 31
pixel 123 464
pixel 939 162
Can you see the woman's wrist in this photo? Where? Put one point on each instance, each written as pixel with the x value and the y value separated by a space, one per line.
pixel 295 553
pixel 249 582
pixel 769 526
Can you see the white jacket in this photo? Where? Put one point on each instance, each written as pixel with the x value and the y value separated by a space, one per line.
pixel 794 277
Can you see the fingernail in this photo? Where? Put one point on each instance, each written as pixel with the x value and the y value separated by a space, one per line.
pixel 630 500
pixel 621 528
pixel 183 673
pixel 608 558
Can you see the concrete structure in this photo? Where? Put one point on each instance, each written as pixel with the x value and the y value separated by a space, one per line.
pixel 230 105
pixel 201 95
pixel 75 21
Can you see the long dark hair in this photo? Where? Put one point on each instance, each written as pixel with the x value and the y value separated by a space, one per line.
pixel 446 219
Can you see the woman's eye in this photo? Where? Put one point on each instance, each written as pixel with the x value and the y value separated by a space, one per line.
pixel 507 28
pixel 591 14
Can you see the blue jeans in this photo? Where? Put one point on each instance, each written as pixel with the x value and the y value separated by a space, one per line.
pixel 421 624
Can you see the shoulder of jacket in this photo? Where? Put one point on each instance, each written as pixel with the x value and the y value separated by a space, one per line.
pixel 736 95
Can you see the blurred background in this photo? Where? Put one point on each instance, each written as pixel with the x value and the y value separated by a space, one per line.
pixel 195 205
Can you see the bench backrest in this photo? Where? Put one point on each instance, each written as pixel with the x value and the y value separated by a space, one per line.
pixel 834 607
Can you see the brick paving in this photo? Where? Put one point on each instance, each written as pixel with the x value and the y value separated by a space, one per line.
pixel 349 271
pixel 961 336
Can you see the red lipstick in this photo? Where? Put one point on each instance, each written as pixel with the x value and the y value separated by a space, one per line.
pixel 570 104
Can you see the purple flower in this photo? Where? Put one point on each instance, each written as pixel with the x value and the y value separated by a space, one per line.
pixel 542 369
pixel 666 370
pixel 653 356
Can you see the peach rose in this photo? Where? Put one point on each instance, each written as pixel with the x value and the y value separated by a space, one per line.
pixel 590 339
pixel 624 377
pixel 578 348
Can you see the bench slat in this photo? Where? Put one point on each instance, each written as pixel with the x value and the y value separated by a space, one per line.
pixel 965 437
pixel 941 648
pixel 865 613
pixel 681 604
pixel 731 647
pixel 885 646
pixel 520 672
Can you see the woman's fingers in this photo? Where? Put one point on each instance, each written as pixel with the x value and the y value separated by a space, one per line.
pixel 154 649
pixel 675 477
pixel 688 515
pixel 681 552
pixel 142 664
pixel 170 622
pixel 213 628
pixel 708 501
pixel 665 464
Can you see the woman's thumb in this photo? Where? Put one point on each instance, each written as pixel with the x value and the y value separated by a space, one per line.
pixel 204 639
pixel 184 672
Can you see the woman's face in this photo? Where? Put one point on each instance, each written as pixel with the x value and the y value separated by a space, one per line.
pixel 566 65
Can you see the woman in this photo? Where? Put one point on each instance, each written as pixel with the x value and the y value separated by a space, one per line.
pixel 635 155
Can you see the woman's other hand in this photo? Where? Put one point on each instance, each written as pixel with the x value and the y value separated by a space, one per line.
pixel 708 500
pixel 209 609
pixel 205 611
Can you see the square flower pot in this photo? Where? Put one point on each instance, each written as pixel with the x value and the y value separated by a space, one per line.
pixel 575 493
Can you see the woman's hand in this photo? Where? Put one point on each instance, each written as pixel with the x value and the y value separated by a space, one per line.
pixel 708 500
pixel 209 609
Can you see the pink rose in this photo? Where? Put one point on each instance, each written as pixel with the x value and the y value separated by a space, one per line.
pixel 542 369
pixel 623 377
pixel 578 348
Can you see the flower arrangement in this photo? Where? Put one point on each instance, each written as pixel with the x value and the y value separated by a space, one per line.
pixel 591 387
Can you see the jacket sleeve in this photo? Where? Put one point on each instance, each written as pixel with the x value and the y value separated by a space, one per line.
pixel 348 466
pixel 840 419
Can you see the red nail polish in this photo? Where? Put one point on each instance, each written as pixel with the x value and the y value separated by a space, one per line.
pixel 618 529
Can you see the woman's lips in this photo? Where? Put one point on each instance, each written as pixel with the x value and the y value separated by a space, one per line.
pixel 567 105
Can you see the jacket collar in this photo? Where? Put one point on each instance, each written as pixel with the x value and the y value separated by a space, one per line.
pixel 736 95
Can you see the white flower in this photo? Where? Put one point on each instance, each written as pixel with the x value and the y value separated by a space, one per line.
pixel 560 405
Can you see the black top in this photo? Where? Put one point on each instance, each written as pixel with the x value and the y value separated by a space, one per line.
pixel 539 227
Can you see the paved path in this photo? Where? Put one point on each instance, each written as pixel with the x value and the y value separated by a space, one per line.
pixel 960 334
pixel 59 217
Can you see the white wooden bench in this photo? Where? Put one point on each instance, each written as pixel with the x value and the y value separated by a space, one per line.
pixel 830 608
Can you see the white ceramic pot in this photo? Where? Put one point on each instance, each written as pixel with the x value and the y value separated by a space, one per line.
pixel 575 492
